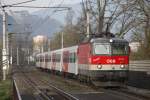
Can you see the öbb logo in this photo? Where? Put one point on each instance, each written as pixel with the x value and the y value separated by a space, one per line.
pixel 111 61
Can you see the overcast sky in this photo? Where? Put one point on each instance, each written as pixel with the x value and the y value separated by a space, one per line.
pixel 38 3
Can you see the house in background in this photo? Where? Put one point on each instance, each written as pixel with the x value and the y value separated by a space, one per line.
pixel 134 46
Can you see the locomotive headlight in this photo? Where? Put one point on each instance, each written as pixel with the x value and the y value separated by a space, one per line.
pixel 110 40
pixel 99 66
pixel 122 66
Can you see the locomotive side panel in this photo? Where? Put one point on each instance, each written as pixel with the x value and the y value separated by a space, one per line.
pixel 84 51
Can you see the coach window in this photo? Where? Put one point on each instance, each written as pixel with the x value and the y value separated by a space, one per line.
pixel 49 58
pixel 46 58
pixel 53 59
pixel 66 59
pixel 40 59
pixel 74 57
pixel 71 60
pixel 58 58
pixel 37 59
pixel 70 57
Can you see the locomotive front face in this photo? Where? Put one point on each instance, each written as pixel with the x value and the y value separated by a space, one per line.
pixel 109 55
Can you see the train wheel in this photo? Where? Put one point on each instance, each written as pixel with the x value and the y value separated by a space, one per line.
pixel 64 74
pixel 88 80
pixel 79 78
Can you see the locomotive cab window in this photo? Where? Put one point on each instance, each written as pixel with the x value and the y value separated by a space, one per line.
pixel 101 49
pixel 119 49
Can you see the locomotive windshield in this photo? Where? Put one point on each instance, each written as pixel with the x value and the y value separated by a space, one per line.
pixel 110 49
pixel 119 49
pixel 103 49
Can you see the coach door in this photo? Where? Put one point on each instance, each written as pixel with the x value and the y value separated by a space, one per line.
pixel 65 61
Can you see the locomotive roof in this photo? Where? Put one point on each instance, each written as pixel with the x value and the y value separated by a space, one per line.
pixel 102 37
pixel 108 40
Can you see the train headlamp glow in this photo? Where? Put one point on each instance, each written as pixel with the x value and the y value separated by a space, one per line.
pixel 99 66
pixel 122 66
pixel 110 40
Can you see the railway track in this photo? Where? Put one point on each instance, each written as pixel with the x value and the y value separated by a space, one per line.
pixel 49 92
pixel 132 94
pixel 121 93
pixel 37 92
pixel 47 87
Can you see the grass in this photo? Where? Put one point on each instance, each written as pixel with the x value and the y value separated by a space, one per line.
pixel 5 90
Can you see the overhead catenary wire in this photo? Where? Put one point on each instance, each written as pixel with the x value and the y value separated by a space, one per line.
pixel 1 6
pixel 20 3
pixel 44 13
pixel 38 7
pixel 53 7
pixel 49 4
pixel 12 13
pixel 59 5
pixel 59 8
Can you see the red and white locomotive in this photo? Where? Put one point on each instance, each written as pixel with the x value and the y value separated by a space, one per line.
pixel 102 59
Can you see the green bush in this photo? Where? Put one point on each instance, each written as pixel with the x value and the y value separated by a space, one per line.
pixel 5 90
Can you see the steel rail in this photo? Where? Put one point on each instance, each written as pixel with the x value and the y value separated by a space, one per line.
pixel 17 90
pixel 42 95
pixel 64 94
pixel 58 91
pixel 121 94
pixel 61 92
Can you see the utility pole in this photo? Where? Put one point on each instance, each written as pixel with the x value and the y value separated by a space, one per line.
pixel 17 56
pixel 11 54
pixel 28 57
pixel 4 52
pixel 10 49
pixel 62 46
pixel 49 44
